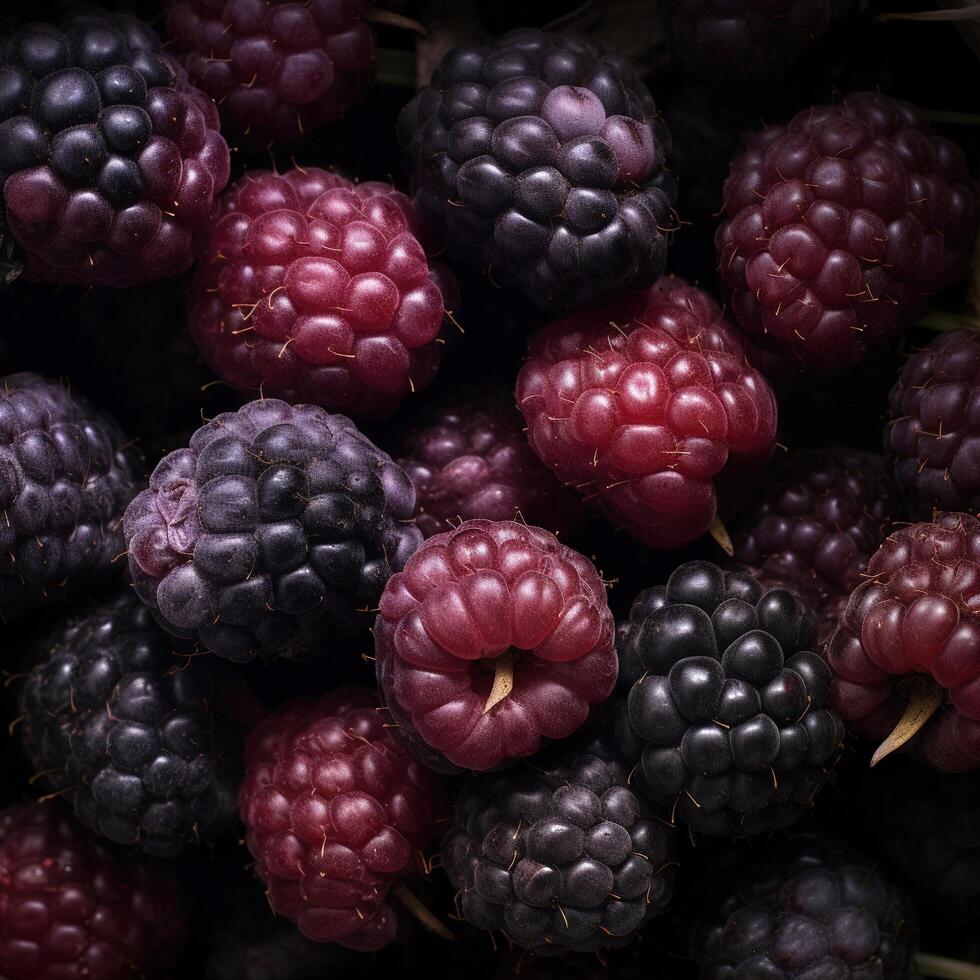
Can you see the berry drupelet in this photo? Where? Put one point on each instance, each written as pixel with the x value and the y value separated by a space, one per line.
pixel 66 476
pixel 315 289
pixel 643 404
pixel 277 71
pixel 841 226
pixel 109 160
pixel 275 528
pixel 933 436
pixel 540 159
pixel 114 716
pixel 746 41
pixel 727 715
pixel 906 657
pixel 336 812
pixel 822 516
pixel 493 639
pixel 559 854
pixel 68 908
pixel 471 461
pixel 805 909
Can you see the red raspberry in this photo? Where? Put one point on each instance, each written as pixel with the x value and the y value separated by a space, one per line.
pixel 643 403
pixel 933 438
pixel 908 646
pixel 68 908
pixel 277 70
pixel 336 811
pixel 842 224
pixel 314 289
pixel 821 518
pixel 472 461
pixel 493 638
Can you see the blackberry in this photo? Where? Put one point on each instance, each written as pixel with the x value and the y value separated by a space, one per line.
pixel 727 715
pixel 559 854
pixel 807 909
pixel 69 908
pixel 66 475
pixel 541 160
pixel 933 434
pixel 109 160
pixel 117 718
pixel 277 526
pixel 823 515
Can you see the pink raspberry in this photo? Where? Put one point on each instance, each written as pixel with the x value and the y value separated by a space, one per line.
pixel 277 70
pixel 314 289
pixel 643 404
pixel 336 811
pixel 494 638
pixel 472 460
pixel 841 225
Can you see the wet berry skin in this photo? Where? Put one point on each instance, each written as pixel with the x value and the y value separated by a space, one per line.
pixel 272 531
pixel 122 723
pixel 727 714
pixel 467 602
pixel 915 619
pixel 841 225
pixel 933 436
pixel 821 516
pixel 110 161
pixel 559 854
pixel 314 289
pixel 70 908
pixel 540 161
pixel 642 404
pixel 472 461
pixel 67 473
pixel 336 811
pixel 277 71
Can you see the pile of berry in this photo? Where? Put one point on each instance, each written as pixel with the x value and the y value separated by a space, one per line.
pixel 488 491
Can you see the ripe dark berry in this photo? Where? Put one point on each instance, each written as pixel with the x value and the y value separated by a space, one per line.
pixel 317 290
pixel 727 717
pixel 821 518
pixel 117 718
pixel 270 531
pixel 910 640
pixel 559 854
pixel 66 475
pixel 643 403
pixel 933 435
pixel 472 461
pixel 841 225
pixel 336 811
pixel 69 908
pixel 278 71
pixel 109 160
pixel 750 41
pixel 494 638
pixel 804 909
pixel 540 159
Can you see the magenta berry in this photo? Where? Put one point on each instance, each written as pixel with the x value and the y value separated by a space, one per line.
pixel 472 461
pixel 841 225
pixel 494 638
pixel 110 161
pixel 315 289
pixel 336 811
pixel 643 404
pixel 277 70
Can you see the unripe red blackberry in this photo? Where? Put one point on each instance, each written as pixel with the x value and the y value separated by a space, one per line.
pixel 109 160
pixel 314 289
pixel 841 225
pixel 336 811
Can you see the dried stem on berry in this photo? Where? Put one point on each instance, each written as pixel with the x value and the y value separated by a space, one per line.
pixel 503 679
pixel 945 968
pixel 415 906
pixel 722 538
pixel 925 697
